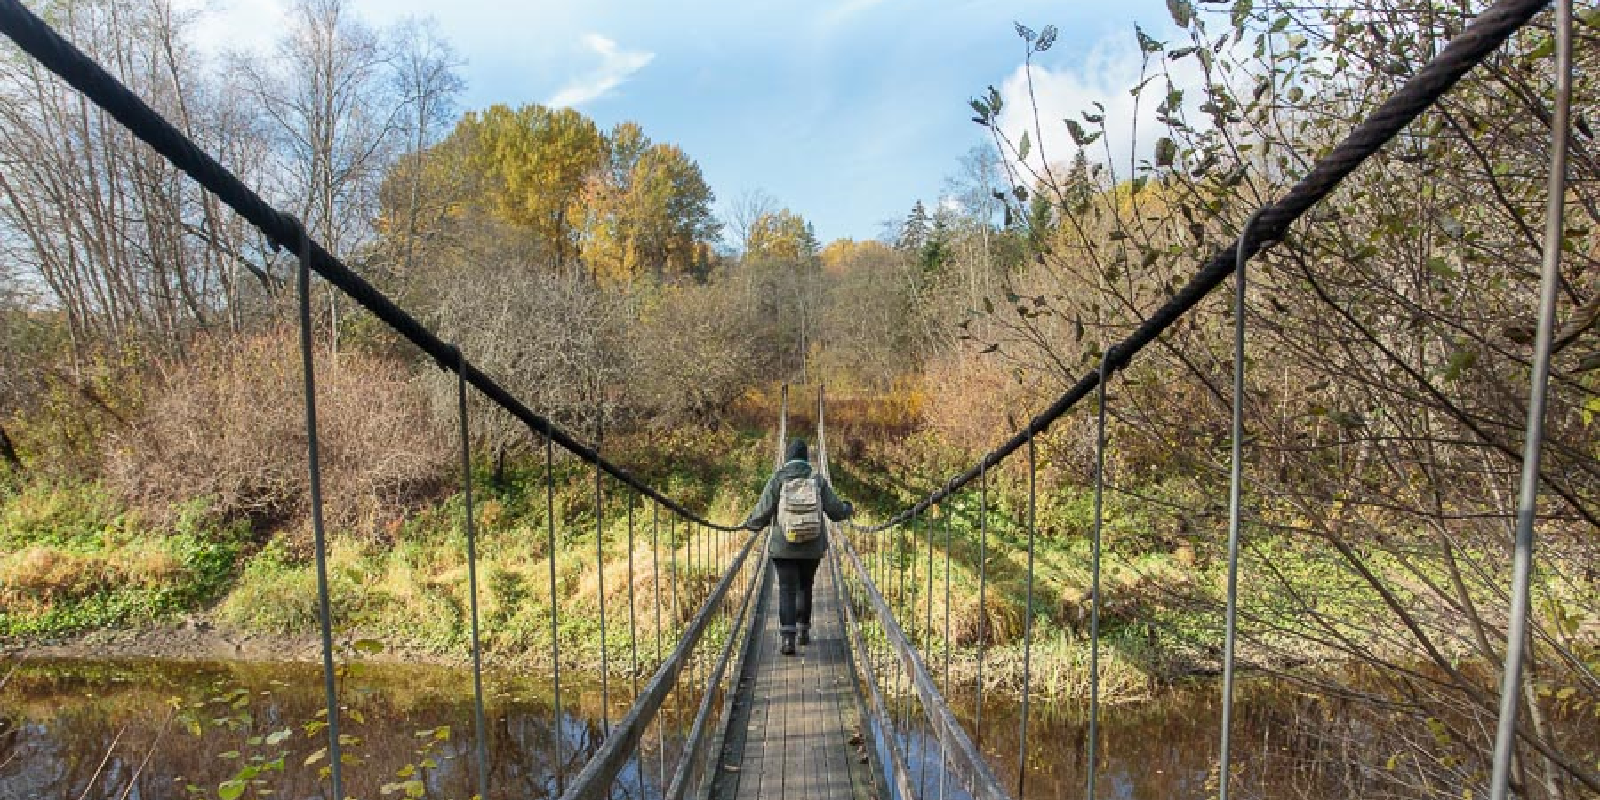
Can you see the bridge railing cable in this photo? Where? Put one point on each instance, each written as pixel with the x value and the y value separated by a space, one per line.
pixel 877 598
pixel 712 545
pixel 282 230
pixel 1481 37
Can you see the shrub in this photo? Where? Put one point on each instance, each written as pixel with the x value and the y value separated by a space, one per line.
pixel 228 423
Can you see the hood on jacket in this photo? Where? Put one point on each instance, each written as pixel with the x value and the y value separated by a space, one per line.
pixel 796 450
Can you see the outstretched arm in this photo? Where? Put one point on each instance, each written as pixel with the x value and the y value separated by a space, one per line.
pixel 761 517
pixel 836 509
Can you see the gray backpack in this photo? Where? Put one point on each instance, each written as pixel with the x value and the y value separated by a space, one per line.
pixel 800 510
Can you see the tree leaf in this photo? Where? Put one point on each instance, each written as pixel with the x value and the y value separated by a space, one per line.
pixel 1076 131
pixel 1241 14
pixel 1146 43
pixel 231 790
pixel 1166 152
pixel 1024 146
pixel 1182 12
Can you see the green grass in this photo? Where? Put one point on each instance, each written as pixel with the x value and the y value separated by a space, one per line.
pixel 414 589
pixel 74 560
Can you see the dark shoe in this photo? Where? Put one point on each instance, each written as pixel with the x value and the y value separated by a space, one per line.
pixel 787 648
pixel 805 636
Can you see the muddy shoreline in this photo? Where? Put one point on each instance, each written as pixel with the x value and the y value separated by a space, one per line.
pixel 200 640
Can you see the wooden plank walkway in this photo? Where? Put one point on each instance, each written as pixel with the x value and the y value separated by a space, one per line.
pixel 795 729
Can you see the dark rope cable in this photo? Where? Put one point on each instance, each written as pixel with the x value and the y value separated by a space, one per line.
pixel 1480 38
pixel 1094 582
pixel 1027 625
pixel 1533 441
pixel 319 536
pixel 1235 507
pixel 479 728
pixel 61 57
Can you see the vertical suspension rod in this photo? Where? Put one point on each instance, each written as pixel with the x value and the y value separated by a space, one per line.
pixel 1235 510
pixel 1094 580
pixel 479 728
pixel 319 537
pixel 1027 626
pixel 600 571
pixel 1533 443
pixel 555 636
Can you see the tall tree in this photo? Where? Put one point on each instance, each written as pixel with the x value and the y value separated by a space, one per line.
pixel 536 162
pixel 427 82
pixel 128 250
pixel 750 205
pixel 782 235
pixel 915 230
pixel 329 95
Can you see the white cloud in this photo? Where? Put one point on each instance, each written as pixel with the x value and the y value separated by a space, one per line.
pixel 616 65
pixel 1104 75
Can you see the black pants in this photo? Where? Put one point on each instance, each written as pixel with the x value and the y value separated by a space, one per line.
pixel 795 576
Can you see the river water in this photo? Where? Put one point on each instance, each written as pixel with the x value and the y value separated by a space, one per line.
pixel 147 729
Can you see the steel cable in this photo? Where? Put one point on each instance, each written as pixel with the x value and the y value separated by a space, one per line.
pixel 318 534
pixel 479 728
pixel 1235 506
pixel 1094 583
pixel 1027 624
pixel 1481 37
pixel 555 631
pixel 1528 494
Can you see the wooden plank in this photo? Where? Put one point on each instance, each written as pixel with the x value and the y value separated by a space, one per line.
pixel 796 732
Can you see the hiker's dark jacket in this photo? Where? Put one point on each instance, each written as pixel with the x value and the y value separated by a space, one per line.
pixel 767 511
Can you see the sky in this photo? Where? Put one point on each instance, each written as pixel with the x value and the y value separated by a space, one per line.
pixel 845 111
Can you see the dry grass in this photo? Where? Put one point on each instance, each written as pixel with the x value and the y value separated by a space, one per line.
pixel 54 574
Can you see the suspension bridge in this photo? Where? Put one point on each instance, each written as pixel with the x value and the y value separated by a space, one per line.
pixel 863 711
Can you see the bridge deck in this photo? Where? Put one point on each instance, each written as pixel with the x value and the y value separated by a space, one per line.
pixel 794 733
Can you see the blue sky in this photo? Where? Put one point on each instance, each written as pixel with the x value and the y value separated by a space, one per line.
pixel 846 111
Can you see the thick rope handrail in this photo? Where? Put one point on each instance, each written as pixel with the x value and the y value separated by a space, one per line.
pixel 1483 36
pixel 61 57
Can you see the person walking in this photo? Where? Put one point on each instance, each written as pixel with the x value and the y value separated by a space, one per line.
pixel 794 504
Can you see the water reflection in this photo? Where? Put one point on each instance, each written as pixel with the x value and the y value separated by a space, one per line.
pixel 127 729
pixel 146 729
pixel 1164 747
